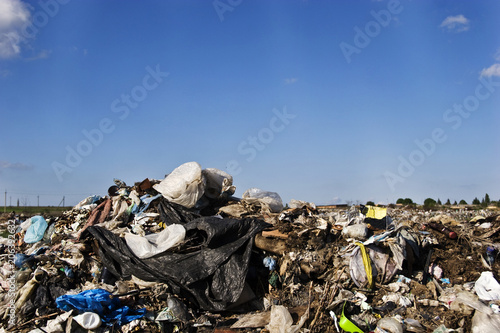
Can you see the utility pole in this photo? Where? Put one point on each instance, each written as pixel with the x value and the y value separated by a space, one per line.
pixel 5 202
pixel 38 200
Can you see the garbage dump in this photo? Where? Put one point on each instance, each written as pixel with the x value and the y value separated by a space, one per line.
pixel 183 254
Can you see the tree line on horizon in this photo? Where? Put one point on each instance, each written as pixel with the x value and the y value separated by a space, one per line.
pixel 429 202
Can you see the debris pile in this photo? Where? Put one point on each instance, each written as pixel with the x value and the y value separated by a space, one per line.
pixel 184 255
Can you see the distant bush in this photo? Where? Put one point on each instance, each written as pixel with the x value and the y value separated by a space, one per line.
pixel 429 203
pixel 406 201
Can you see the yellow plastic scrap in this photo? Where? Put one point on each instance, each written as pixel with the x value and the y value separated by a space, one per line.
pixel 376 212
pixel 348 325
pixel 367 263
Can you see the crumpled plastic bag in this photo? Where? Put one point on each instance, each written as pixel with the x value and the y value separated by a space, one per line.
pixel 217 182
pixel 272 199
pixel 281 321
pixel 382 266
pixel 151 245
pixel 54 325
pixel 36 230
pixel 487 287
pixel 301 204
pixel 389 324
pixel 356 231
pixel 470 300
pixel 211 274
pixel 184 186
pixel 99 301
pixel 87 201
pixel 485 323
pixel 375 212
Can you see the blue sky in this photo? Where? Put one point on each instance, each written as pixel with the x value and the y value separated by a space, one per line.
pixel 323 101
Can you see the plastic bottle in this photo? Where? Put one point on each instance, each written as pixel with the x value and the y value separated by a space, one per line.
pixel 490 255
pixel 442 229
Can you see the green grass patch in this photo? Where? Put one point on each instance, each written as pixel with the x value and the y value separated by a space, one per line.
pixel 34 210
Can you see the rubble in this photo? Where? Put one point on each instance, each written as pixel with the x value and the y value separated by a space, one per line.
pixel 183 254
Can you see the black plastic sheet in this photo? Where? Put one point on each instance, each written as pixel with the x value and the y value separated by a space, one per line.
pixel 209 268
pixel 172 213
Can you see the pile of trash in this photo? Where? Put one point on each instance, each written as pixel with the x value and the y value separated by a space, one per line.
pixel 183 254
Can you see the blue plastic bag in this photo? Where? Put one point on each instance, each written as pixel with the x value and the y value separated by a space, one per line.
pixel 99 301
pixel 20 259
pixel 270 263
pixel 36 230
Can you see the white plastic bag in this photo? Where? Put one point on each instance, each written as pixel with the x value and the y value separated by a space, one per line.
pixel 487 288
pixel 150 245
pixel 281 321
pixel 184 186
pixel 389 324
pixel 484 323
pixel 472 301
pixel 272 199
pixel 217 181
pixel 54 325
pixel 300 204
pixel 356 231
pixel 36 230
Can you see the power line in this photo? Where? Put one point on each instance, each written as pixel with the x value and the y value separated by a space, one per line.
pixel 42 193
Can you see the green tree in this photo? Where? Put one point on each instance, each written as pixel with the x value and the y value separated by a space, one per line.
pixel 455 202
pixel 487 200
pixel 406 201
pixel 462 202
pixel 447 203
pixel 439 202
pixel 370 203
pixel 429 202
pixel 476 201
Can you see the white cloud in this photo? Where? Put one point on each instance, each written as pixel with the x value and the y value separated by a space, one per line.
pixel 457 23
pixel 291 80
pixel 44 54
pixel 14 166
pixel 14 16
pixel 493 70
pixel 497 55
